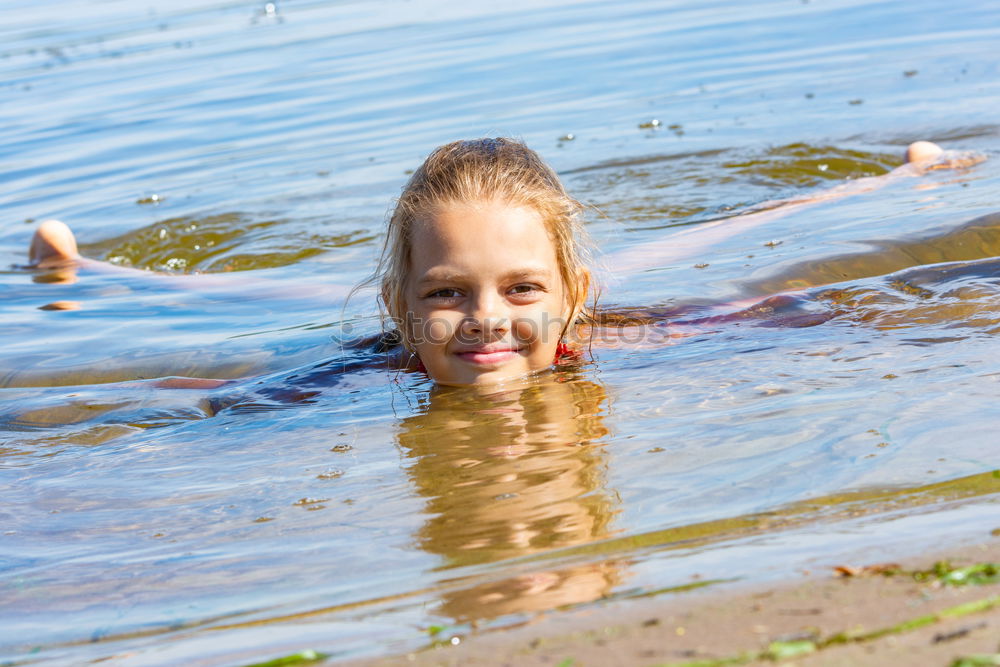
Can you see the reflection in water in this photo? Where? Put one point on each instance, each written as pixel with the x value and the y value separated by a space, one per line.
pixel 156 549
pixel 509 474
pixel 956 296
pixel 673 189
pixel 976 239
pixel 231 241
pixel 950 281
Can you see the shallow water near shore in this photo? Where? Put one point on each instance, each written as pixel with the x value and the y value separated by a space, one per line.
pixel 322 501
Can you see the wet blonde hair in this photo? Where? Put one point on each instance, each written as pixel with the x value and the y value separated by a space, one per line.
pixel 498 169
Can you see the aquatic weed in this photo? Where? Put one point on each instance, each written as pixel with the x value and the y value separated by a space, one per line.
pixel 943 572
pixel 299 658
pixel 977 660
pixel 790 649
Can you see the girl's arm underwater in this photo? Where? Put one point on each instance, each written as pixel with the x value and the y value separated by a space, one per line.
pixel 54 252
pixel 920 156
pixel 787 300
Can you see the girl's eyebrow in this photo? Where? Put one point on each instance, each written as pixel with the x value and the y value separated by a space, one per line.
pixel 434 276
pixel 447 276
pixel 528 272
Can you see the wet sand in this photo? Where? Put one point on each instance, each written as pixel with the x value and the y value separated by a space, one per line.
pixel 738 623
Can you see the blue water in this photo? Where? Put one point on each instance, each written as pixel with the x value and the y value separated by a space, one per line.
pixel 255 155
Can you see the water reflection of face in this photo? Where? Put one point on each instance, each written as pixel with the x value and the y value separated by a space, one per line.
pixel 510 473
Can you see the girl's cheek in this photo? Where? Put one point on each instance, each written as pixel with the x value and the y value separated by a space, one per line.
pixel 436 331
pixel 526 330
pixel 542 333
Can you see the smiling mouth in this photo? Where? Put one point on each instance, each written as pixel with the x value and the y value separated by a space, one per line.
pixel 488 356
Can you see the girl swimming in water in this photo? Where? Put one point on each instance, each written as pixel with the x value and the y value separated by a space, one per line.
pixel 485 275
pixel 484 272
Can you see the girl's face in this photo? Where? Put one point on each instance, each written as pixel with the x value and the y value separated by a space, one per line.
pixel 485 294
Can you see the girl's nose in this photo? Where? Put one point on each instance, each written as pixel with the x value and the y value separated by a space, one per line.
pixel 486 318
pixel 478 326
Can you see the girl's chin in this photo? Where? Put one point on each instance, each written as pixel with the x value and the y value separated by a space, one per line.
pixel 491 379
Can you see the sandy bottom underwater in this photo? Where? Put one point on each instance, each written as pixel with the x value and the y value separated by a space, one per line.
pixel 811 618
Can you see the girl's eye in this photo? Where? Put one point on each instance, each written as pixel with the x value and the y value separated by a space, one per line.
pixel 525 289
pixel 444 293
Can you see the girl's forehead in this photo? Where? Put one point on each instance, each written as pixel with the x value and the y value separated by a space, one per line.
pixel 481 219
pixel 484 232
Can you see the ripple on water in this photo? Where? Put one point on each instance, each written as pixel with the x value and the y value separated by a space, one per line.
pixel 300 506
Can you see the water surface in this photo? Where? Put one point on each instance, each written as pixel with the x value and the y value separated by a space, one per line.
pixel 324 501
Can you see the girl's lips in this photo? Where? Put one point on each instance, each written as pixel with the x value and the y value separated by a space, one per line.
pixel 487 356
